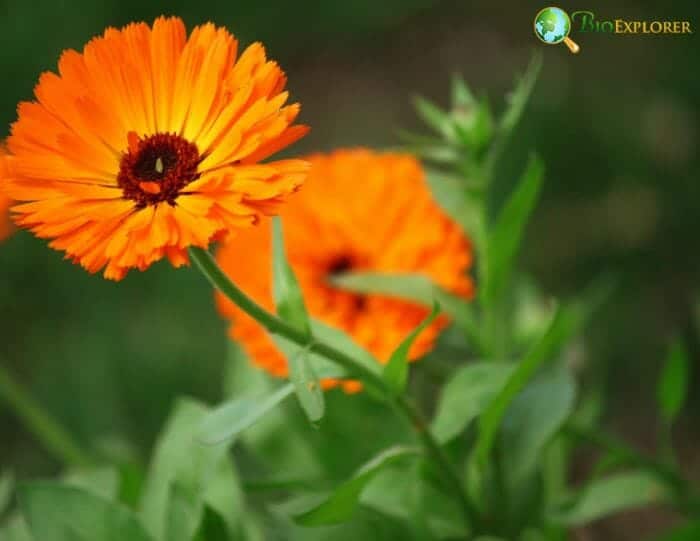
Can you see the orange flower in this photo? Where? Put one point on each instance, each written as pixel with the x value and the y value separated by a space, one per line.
pixel 147 143
pixel 358 211
pixel 5 224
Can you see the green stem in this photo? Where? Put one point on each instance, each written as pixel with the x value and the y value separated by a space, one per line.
pixel 275 325
pixel 447 468
pixel 52 436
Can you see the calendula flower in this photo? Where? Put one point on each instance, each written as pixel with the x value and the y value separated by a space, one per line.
pixel 148 142
pixel 5 224
pixel 359 211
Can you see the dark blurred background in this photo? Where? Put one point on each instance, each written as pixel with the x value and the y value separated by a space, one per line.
pixel 617 126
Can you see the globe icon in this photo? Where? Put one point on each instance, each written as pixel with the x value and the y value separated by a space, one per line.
pixel 552 26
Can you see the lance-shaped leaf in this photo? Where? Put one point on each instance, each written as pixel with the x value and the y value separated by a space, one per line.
pixel 532 419
pixel 185 512
pixel 287 294
pixel 604 497
pixel 290 307
pixel 224 423
pixel 396 370
pixel 179 458
pixel 520 95
pixel 506 235
pixel 306 384
pixel 461 95
pixel 435 117
pixel 468 393
pixel 58 512
pixel 563 324
pixel 340 505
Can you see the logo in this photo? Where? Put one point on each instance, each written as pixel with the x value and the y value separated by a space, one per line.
pixel 553 25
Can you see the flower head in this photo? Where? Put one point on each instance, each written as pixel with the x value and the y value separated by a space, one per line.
pixel 358 211
pixel 148 142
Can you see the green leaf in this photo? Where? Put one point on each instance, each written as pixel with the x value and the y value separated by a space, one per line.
pixel 451 194
pixel 288 296
pixel 506 235
pixel 564 323
pixel 435 153
pixel 403 492
pixel 521 95
pixel 306 384
pixel 673 384
pixel 604 497
pixel 461 95
pixel 213 527
pixel 224 423
pixel 339 340
pixel 343 501
pixel 100 481
pixel 224 495
pixel 474 126
pixel 56 512
pixel 468 392
pixel 185 512
pixel 180 458
pixel 396 370
pixel 434 117
pixel 533 418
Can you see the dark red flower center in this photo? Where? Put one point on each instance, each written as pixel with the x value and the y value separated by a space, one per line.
pixel 341 265
pixel 157 168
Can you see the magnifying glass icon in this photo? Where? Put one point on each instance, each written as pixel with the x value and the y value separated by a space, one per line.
pixel 552 26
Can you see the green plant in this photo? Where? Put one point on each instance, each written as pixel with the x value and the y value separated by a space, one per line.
pixel 494 461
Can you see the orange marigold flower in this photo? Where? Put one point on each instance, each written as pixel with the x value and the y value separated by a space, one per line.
pixel 358 211
pixel 148 141
pixel 5 224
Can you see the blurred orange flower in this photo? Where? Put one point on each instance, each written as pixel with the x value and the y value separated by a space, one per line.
pixel 5 224
pixel 147 143
pixel 358 211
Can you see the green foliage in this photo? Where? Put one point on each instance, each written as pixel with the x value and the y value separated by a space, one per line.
pixel 185 508
pixel 603 497
pixel 59 512
pixel 673 384
pixel 506 235
pixel 185 475
pixel 561 329
pixel 466 395
pixel 342 502
pixel 290 307
pixel 396 370
pixel 289 299
pixel 225 422
pixel 306 384
pixel 494 462
pixel 532 420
